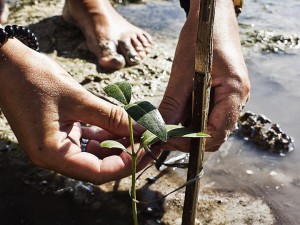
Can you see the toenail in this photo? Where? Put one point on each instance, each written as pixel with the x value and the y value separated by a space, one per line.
pixel 134 58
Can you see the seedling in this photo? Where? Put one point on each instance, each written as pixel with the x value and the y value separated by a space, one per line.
pixel 145 114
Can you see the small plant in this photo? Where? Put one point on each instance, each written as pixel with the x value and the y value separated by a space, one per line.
pixel 144 113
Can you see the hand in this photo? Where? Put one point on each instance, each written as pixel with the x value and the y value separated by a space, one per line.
pixel 44 106
pixel 230 83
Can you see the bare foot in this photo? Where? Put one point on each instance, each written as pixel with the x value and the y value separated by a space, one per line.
pixel 109 36
pixel 3 11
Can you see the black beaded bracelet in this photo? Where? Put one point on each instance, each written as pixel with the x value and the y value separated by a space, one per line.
pixel 21 33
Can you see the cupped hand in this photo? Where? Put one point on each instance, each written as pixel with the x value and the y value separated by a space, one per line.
pixel 44 106
pixel 230 83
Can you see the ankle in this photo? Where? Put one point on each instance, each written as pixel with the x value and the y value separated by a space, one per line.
pixel 3 12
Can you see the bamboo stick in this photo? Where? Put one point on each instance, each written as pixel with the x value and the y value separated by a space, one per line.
pixel 201 97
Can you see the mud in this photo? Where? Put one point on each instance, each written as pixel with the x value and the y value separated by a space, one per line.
pixel 30 195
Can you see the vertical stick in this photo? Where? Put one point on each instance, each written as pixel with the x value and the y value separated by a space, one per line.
pixel 201 96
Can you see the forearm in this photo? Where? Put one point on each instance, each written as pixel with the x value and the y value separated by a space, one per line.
pixel 10 53
pixel 17 92
pixel 227 50
pixel 230 83
pixel 18 68
pixel 226 38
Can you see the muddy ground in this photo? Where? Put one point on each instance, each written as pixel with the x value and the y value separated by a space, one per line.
pixel 30 195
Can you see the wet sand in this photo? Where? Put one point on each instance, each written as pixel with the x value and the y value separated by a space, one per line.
pixel 235 189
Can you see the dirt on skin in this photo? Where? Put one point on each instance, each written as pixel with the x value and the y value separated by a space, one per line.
pixel 30 195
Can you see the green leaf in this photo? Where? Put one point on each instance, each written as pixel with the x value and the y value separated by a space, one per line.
pixel 180 131
pixel 112 144
pixel 148 116
pixel 149 138
pixel 120 91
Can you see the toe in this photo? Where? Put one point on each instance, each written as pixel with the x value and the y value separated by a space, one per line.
pixel 130 54
pixel 137 44
pixel 108 57
pixel 146 41
pixel 139 48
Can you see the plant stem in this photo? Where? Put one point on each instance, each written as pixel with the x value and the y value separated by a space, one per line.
pixel 133 191
pixel 133 173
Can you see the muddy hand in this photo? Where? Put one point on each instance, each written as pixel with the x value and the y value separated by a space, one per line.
pixel 44 106
pixel 230 83
pixel 109 36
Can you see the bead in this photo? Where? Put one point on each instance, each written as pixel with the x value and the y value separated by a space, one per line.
pixel 15 27
pixel 21 33
pixel 27 33
pixel 32 44
pixel 3 36
pixel 10 31
pixel 35 46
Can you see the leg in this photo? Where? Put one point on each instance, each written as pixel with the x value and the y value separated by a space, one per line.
pixel 3 11
pixel 109 36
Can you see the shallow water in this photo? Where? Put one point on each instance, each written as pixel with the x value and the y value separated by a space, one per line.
pixel 275 93
pixel 241 165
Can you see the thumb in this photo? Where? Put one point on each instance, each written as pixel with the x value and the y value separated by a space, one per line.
pixel 93 110
pixel 175 110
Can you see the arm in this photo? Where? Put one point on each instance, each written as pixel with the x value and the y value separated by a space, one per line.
pixel 230 83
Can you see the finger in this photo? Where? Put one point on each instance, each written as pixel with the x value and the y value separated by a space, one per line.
pixel 175 104
pixel 129 53
pixel 74 133
pixel 88 167
pixel 185 145
pixel 94 148
pixel 94 133
pixel 213 148
pixel 96 136
pixel 222 121
pixel 92 110
pixel 145 159
pixel 108 57
pixel 175 109
pixel 177 144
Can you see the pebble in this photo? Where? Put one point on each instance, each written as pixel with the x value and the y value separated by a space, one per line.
pixel 250 172
pixel 273 173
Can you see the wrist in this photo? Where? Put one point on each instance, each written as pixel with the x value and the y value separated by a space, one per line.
pixel 22 33
pixel 11 57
